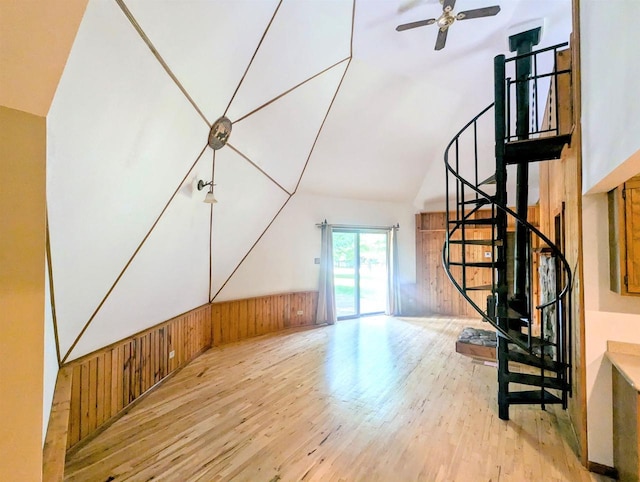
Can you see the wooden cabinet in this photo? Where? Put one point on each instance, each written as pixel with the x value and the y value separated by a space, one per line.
pixel 625 427
pixel 625 378
pixel 624 237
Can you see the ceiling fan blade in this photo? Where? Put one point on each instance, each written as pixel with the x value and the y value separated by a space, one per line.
pixel 447 5
pixel 478 12
pixel 408 5
pixel 411 4
pixel 421 23
pixel 442 39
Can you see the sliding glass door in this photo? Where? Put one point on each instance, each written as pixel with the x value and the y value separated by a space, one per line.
pixel 360 271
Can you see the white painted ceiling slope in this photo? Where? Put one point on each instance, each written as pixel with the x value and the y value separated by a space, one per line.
pixel 325 97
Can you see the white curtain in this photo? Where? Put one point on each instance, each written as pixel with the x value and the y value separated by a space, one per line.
pixel 393 284
pixel 326 296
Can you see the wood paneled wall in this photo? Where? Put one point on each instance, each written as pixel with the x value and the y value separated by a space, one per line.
pixel 239 319
pixel 561 195
pixel 435 292
pixel 105 382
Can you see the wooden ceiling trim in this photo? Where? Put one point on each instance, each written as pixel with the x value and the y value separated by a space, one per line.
pixel 353 22
pixel 159 58
pixel 296 188
pixel 264 34
pixel 578 407
pixel 135 253
pixel 258 168
pixel 213 170
pixel 52 297
pixel 290 90
pixel 315 141
pixel 251 248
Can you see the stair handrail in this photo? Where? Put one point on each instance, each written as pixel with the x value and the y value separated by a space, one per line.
pixel 535 76
pixel 445 252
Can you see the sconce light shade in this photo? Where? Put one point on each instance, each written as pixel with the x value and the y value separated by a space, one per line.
pixel 209 198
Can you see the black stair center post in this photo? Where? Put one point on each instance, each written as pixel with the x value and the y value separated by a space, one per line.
pixel 522 44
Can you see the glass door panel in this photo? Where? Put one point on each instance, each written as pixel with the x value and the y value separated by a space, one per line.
pixel 373 272
pixel 345 255
pixel 360 272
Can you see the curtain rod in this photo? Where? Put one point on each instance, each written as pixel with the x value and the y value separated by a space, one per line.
pixel 353 226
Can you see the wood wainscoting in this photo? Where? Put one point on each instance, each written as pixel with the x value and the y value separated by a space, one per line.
pixel 94 390
pixel 106 381
pixel 239 319
pixel 434 291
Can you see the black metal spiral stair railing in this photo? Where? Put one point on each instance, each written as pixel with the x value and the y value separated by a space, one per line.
pixel 481 222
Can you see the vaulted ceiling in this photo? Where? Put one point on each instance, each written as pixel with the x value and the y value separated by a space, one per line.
pixel 325 97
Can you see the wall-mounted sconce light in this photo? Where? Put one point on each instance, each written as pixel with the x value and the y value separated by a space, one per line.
pixel 209 198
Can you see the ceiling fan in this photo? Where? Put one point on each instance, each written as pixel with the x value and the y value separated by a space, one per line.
pixel 447 18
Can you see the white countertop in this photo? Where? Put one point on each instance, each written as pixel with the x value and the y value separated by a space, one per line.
pixel 626 358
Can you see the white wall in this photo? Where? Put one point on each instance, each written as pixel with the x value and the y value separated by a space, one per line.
pixel 130 240
pixel 611 143
pixel 610 104
pixel 283 260
pixel 608 316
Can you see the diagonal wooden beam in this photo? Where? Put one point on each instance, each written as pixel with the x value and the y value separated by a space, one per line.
pixel 135 253
pixel 52 298
pixel 258 168
pixel 290 90
pixel 315 141
pixel 159 58
pixel 251 248
pixel 264 34
pixel 213 171
pixel 353 22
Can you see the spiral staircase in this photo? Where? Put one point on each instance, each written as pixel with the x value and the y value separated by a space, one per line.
pixel 534 336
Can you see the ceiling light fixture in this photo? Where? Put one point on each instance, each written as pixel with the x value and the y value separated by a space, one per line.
pixel 219 133
pixel 209 198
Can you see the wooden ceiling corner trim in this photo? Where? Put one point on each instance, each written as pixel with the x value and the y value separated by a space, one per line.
pixel 315 141
pixel 580 424
pixel 159 58
pixel 52 297
pixel 353 23
pixel 264 35
pixel 135 253
pixel 213 170
pixel 291 90
pixel 258 168
pixel 251 248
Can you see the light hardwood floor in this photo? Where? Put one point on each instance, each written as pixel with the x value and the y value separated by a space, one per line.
pixel 372 399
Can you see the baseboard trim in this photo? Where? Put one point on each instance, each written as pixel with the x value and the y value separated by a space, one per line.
pixel 602 469
pixel 55 446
